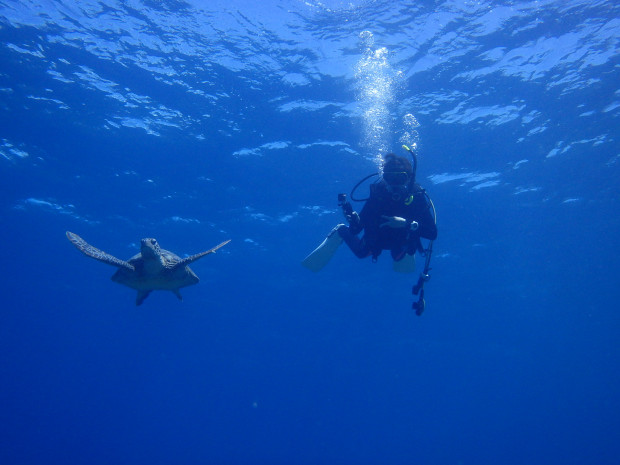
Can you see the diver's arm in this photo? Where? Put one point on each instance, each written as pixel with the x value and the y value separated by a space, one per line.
pixel 350 215
pixel 370 211
pixel 426 223
pixel 397 222
pixel 355 225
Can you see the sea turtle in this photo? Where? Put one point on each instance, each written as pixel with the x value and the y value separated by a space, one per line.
pixel 152 269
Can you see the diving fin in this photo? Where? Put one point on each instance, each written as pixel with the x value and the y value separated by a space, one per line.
pixel 321 256
pixel 405 264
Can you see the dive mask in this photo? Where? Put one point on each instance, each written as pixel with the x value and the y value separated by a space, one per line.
pixel 396 178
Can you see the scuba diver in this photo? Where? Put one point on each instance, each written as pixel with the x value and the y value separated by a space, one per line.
pixel 396 215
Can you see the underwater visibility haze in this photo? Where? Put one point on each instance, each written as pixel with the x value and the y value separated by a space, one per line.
pixel 194 122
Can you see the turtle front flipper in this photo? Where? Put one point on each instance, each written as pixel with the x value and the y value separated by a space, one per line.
pixel 193 258
pixel 95 253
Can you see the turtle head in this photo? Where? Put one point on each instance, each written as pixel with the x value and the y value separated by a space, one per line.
pixel 149 247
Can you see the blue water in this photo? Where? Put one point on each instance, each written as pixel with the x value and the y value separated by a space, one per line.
pixel 195 122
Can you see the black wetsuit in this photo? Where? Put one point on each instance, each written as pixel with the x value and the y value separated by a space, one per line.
pixel 399 241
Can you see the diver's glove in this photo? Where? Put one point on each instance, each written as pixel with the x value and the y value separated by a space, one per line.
pixel 394 222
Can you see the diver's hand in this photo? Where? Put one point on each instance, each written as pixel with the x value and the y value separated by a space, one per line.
pixel 394 222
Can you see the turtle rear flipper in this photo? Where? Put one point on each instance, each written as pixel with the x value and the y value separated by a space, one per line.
pixel 95 253
pixel 193 258
pixel 141 296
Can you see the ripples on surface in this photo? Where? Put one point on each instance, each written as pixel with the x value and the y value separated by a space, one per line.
pixel 245 73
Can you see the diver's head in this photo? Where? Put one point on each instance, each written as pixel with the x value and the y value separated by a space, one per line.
pixel 397 173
